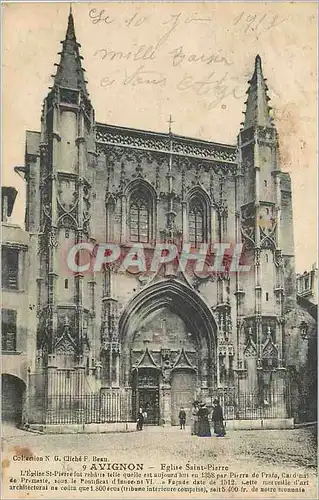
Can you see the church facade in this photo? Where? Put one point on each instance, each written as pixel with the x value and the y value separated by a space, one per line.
pixel 157 340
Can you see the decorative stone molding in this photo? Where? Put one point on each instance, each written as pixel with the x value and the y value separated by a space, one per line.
pixel 250 348
pixel 225 156
pixel 53 238
pixel 247 226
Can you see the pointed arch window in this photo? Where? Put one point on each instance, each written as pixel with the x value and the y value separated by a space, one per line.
pixel 139 218
pixel 196 222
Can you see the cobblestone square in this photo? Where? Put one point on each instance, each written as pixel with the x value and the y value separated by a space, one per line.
pixel 282 452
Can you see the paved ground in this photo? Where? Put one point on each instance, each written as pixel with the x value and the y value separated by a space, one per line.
pixel 291 447
pixel 287 451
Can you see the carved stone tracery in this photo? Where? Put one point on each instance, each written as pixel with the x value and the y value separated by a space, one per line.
pixel 250 349
pixel 248 225
pixel 223 158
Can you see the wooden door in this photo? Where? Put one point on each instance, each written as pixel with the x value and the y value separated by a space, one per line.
pixel 183 394
pixel 146 394
pixel 149 402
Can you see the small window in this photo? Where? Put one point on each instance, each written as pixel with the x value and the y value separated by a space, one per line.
pixel 266 257
pixel 267 211
pixel 9 330
pixel 66 284
pixel 303 330
pixel 267 296
pixel 265 183
pixel 10 268
pixel 67 233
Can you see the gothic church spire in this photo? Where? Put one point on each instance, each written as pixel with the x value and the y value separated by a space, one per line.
pixel 70 73
pixel 257 110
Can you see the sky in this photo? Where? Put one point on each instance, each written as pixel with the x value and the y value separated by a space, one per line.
pixel 145 62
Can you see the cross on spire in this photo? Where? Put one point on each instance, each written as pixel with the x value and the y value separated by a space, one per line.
pixel 170 121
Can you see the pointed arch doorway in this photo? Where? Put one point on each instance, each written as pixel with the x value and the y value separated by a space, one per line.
pixel 167 330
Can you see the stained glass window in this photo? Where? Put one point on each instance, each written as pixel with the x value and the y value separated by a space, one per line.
pixel 196 226
pixel 139 219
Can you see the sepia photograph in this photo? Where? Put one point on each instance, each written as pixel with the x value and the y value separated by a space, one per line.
pixel 159 250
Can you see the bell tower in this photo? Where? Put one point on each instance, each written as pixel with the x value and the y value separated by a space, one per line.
pixel 260 292
pixel 67 158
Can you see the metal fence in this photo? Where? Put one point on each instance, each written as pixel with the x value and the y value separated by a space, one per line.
pixel 111 406
pixel 108 406
pixel 116 406
pixel 64 398
pixel 247 406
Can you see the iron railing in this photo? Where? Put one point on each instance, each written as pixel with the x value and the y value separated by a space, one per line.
pixel 116 406
pixel 252 406
pixel 110 407
pixel 86 409
pixel 64 398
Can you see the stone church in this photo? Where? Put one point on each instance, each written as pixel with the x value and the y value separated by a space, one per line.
pixel 106 343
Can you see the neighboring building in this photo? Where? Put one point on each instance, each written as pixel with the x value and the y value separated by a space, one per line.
pixel 16 333
pixel 154 341
pixel 307 286
pixel 302 348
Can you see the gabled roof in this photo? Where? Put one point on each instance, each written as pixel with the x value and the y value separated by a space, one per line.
pixel 250 348
pixel 270 350
pixel 147 361
pixel 182 361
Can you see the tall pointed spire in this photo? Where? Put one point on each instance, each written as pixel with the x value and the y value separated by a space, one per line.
pixel 70 32
pixel 70 73
pixel 257 110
